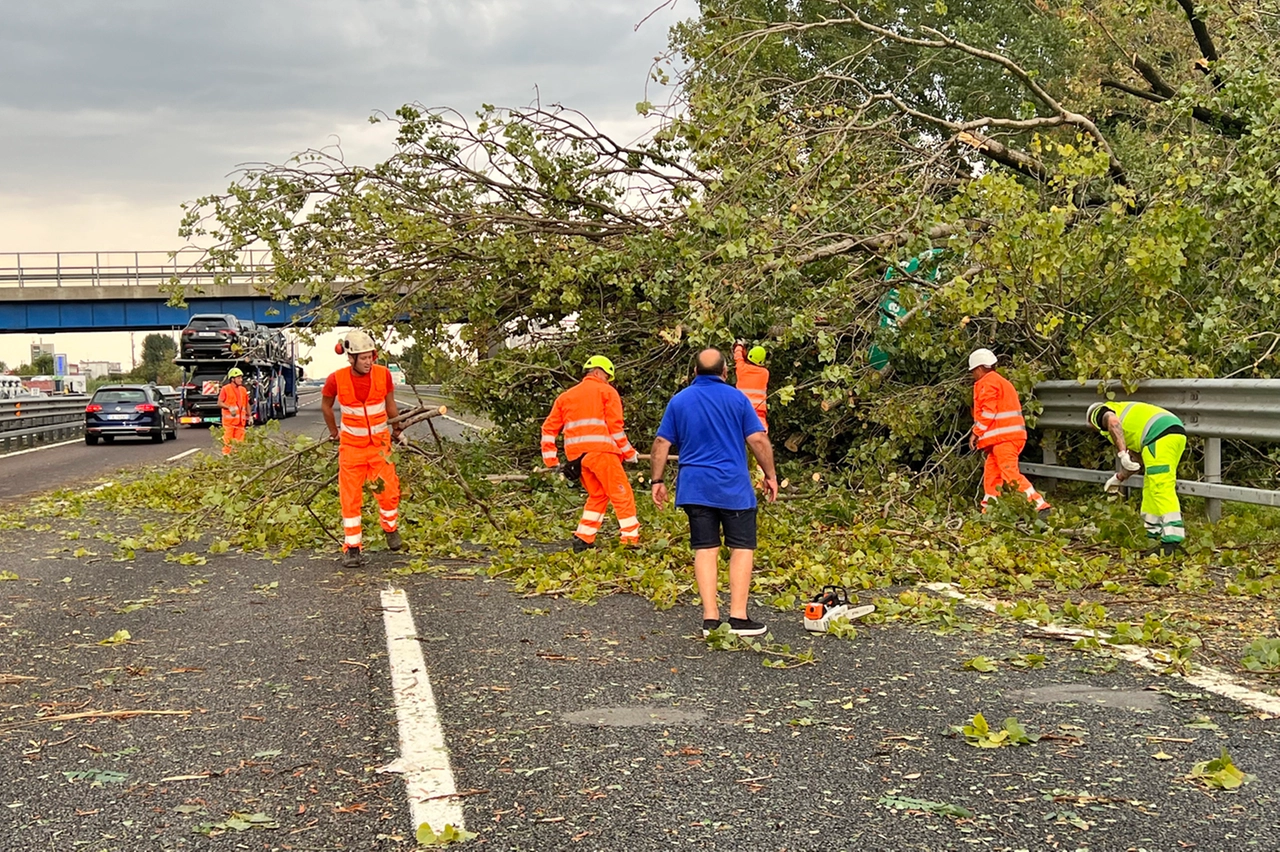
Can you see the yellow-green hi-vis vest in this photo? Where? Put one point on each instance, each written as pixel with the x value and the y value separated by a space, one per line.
pixel 1141 422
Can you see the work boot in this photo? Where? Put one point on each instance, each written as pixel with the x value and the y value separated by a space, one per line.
pixel 580 546
pixel 393 540
pixel 1170 548
pixel 352 557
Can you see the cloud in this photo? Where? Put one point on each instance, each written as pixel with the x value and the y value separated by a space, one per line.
pixel 148 103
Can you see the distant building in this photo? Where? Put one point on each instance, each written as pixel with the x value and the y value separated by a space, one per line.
pixel 38 349
pixel 99 369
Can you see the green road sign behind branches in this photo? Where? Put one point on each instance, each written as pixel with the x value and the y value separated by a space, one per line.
pixel 891 310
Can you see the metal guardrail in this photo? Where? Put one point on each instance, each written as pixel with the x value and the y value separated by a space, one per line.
pixel 99 268
pixel 1236 409
pixel 27 421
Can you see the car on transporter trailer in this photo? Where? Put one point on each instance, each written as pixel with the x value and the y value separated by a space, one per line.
pixel 129 411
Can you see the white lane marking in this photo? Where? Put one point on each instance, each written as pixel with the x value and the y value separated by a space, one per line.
pixel 1205 677
pixel 183 455
pixel 462 422
pixel 424 758
pixel 38 449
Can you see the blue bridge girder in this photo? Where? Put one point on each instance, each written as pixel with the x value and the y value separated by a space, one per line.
pixel 50 292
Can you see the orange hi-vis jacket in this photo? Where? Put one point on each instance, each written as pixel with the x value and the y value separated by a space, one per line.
pixel 364 424
pixel 752 380
pixel 237 396
pixel 590 413
pixel 997 412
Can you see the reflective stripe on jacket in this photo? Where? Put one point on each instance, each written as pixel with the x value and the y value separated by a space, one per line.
pixel 1141 422
pixel 364 424
pixel 237 396
pixel 590 415
pixel 997 411
pixel 752 380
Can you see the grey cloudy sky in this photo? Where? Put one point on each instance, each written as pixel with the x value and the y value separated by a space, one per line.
pixel 114 112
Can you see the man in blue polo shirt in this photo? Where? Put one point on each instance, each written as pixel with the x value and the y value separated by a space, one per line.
pixel 710 424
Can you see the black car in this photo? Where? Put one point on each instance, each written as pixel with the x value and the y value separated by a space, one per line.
pixel 131 411
pixel 212 336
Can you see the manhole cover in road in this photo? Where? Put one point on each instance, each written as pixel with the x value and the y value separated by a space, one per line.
pixel 1064 693
pixel 634 717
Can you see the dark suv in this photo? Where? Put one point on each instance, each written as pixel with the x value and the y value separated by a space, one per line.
pixel 212 336
pixel 133 411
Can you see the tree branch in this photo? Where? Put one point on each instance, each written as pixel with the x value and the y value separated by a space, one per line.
pixel 1204 40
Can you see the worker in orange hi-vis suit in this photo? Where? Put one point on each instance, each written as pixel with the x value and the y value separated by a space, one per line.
pixel 999 431
pixel 590 414
pixel 365 393
pixel 752 378
pixel 233 399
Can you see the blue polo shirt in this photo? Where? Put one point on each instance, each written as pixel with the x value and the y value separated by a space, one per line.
pixel 707 424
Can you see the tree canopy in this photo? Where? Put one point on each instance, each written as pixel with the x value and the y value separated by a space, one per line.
pixel 1099 177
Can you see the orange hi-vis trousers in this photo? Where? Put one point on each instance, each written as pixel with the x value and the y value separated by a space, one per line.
pixel 1001 468
pixel 232 432
pixel 606 483
pixel 356 466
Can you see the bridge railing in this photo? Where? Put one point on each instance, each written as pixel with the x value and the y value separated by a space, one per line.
pixel 28 421
pixel 106 268
pixel 1236 409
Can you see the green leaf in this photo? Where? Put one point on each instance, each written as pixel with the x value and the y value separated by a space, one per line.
pixel 426 836
pixel 980 664
pixel 117 638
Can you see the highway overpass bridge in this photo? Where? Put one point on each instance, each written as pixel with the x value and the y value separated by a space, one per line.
pixel 50 292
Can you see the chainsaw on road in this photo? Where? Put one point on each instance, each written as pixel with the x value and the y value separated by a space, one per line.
pixel 830 604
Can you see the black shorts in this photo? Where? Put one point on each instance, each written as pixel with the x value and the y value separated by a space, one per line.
pixel 705 523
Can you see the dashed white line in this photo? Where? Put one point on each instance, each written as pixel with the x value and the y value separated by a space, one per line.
pixel 183 455
pixel 1205 677
pixel 38 449
pixel 424 758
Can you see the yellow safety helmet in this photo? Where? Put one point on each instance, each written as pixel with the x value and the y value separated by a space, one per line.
pixel 599 361
pixel 233 372
pixel 756 355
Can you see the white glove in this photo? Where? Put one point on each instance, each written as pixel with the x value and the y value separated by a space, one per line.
pixel 1127 463
pixel 233 410
pixel 1113 485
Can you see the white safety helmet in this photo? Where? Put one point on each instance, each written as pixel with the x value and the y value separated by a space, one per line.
pixel 982 358
pixel 356 342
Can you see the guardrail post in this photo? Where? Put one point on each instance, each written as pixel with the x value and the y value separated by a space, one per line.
pixel 1049 444
pixel 1213 473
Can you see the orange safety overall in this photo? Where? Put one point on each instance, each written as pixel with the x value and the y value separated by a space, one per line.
pixel 590 415
pixel 1001 433
pixel 752 380
pixel 364 453
pixel 233 425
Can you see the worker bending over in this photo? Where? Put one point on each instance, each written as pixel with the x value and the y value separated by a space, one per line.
pixel 1141 431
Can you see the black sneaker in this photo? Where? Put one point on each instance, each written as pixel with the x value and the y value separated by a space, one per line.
pixel 1170 548
pixel 1043 514
pixel 394 542
pixel 709 624
pixel 746 627
pixel 580 546
pixel 352 558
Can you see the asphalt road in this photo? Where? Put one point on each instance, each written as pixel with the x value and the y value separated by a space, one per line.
pixel 27 473
pixel 267 712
